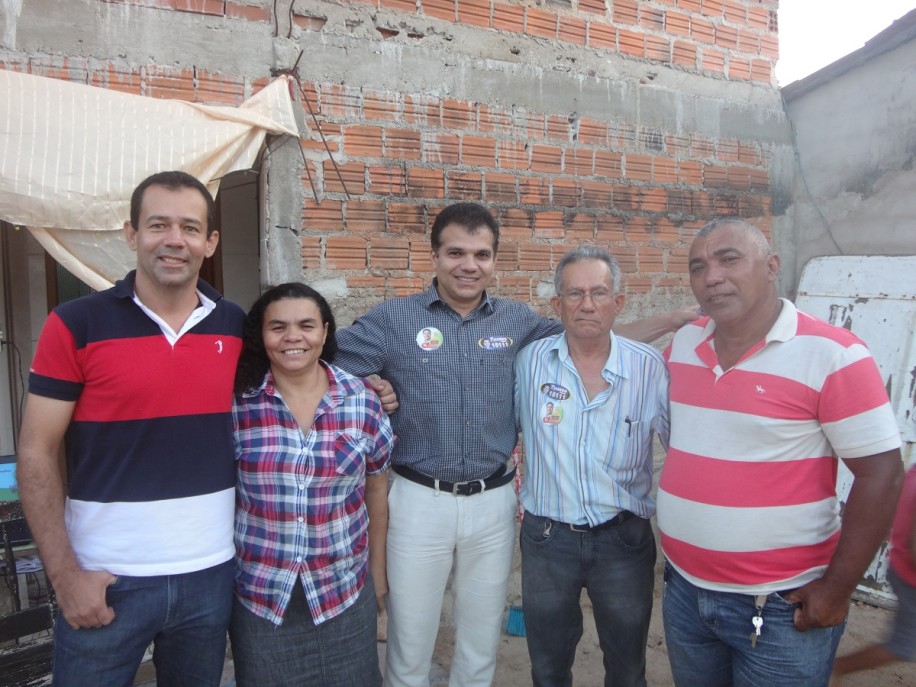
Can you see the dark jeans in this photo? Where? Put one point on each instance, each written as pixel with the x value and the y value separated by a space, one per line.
pixel 708 636
pixel 185 615
pixel 340 652
pixel 616 565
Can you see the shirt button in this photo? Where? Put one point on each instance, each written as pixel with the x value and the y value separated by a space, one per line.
pixel 301 487
pixel 301 519
pixel 298 559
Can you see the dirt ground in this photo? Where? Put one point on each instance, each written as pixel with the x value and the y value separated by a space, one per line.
pixel 866 625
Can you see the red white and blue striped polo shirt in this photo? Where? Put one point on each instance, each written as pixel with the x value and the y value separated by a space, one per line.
pixel 149 447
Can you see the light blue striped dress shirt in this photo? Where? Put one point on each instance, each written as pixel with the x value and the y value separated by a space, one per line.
pixel 587 460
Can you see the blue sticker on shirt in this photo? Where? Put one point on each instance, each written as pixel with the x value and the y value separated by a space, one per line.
pixel 495 343
pixel 560 393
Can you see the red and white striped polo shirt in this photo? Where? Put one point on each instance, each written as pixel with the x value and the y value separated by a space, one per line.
pixel 747 499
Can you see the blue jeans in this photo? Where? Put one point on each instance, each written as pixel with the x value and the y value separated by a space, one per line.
pixel 186 616
pixel 340 652
pixel 616 565
pixel 708 635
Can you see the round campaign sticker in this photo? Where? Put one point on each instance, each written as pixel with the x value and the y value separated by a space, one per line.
pixel 429 338
pixel 552 414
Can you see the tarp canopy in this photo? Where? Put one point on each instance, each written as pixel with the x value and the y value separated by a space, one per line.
pixel 70 156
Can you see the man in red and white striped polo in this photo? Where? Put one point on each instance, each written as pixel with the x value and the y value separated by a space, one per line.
pixel 764 400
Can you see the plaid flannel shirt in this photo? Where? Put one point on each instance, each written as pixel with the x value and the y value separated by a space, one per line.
pixel 300 506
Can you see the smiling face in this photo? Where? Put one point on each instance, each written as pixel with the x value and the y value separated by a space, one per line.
pixel 293 335
pixel 464 266
pixel 733 276
pixel 587 304
pixel 171 240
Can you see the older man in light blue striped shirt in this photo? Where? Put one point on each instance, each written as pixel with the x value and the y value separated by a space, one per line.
pixel 589 404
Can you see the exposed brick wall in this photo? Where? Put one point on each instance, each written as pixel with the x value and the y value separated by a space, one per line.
pixel 734 38
pixel 552 178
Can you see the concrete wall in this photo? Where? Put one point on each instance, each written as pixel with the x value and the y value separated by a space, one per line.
pixel 853 185
pixel 620 122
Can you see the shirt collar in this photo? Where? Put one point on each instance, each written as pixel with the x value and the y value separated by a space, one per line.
pixel 339 385
pixel 786 325
pixel 124 288
pixel 613 366
pixel 431 296
pixel 783 329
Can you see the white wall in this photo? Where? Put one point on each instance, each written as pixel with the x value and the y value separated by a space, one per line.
pixel 853 187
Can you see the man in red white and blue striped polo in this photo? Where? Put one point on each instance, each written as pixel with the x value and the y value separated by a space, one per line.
pixel 139 378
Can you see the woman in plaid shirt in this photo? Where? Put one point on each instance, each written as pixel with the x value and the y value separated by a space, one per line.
pixel 312 447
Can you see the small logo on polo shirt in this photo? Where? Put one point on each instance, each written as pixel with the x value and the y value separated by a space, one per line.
pixel 760 389
pixel 219 345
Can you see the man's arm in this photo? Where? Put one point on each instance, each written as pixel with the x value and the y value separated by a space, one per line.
pixel 377 507
pixel 649 329
pixel 866 520
pixel 80 593
pixel 362 348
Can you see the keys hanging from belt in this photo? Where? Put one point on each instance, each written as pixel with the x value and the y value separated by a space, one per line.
pixel 757 621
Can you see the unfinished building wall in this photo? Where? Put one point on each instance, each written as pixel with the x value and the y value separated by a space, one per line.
pixel 627 123
pixel 855 172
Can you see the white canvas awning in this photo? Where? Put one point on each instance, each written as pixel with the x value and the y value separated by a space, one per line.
pixel 70 156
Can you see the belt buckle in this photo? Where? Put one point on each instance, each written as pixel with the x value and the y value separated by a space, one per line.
pixel 468 485
pixel 575 528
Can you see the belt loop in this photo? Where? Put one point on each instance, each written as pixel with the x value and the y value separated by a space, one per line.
pixel 436 487
pixel 483 486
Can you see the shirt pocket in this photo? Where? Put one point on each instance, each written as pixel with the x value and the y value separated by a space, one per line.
pixel 349 455
pixel 497 376
pixel 629 438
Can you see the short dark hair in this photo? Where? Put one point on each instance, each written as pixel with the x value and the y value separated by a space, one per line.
pixel 471 216
pixel 173 181
pixel 253 361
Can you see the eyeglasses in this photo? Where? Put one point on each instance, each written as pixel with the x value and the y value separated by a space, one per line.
pixel 598 296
